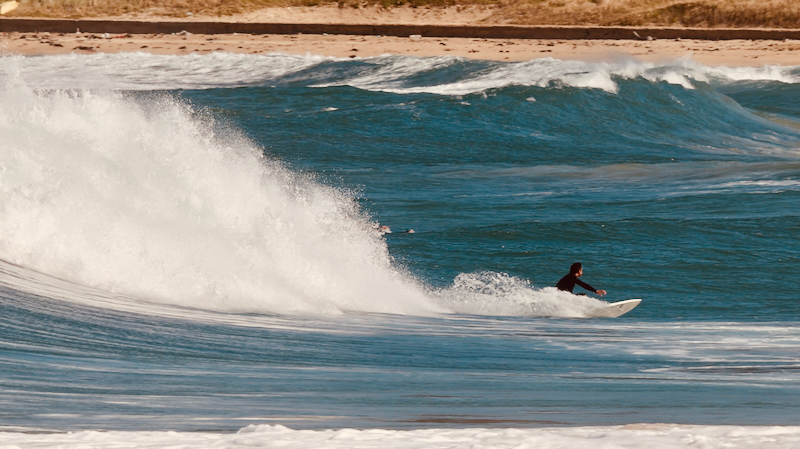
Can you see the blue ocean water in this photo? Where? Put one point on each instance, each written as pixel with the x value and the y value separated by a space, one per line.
pixel 188 243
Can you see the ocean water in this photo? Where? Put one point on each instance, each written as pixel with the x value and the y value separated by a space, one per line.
pixel 189 254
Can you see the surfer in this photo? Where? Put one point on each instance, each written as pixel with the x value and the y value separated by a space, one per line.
pixel 382 229
pixel 387 230
pixel 567 283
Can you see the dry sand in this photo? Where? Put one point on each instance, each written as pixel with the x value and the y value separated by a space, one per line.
pixel 455 15
pixel 712 53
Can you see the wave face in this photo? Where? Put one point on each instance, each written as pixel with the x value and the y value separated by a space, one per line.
pixel 189 243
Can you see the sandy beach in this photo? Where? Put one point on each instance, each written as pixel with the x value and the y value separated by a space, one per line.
pixel 714 53
pixel 736 52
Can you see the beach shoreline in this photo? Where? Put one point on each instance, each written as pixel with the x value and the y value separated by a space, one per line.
pixel 733 53
pixel 370 31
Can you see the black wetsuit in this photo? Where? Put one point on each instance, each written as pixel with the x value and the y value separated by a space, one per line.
pixel 567 283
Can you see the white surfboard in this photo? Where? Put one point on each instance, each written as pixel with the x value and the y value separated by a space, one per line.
pixel 615 309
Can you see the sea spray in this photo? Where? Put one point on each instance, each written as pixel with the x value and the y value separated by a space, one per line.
pixel 492 293
pixel 144 195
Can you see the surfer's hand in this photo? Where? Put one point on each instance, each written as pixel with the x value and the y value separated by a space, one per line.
pixel 601 292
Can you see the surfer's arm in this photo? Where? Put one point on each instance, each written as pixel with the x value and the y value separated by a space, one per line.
pixel 589 287
pixel 585 285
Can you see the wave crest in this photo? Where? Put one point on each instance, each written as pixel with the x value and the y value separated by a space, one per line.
pixel 144 195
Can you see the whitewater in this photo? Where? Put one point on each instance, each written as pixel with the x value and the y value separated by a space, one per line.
pixel 190 255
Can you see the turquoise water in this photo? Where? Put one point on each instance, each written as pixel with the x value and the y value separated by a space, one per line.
pixel 186 252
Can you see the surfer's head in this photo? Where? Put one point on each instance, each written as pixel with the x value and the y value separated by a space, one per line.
pixel 576 268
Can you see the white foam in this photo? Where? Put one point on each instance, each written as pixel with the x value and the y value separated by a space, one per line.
pixel 149 198
pixel 144 71
pixel 636 436
pixel 491 293
pixel 782 74
pixel 392 74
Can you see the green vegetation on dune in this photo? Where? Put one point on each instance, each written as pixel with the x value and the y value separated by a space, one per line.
pixel 696 13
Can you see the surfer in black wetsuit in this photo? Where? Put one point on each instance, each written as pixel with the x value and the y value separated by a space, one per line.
pixel 567 283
